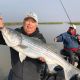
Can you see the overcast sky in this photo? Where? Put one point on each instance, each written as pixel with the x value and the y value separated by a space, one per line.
pixel 47 10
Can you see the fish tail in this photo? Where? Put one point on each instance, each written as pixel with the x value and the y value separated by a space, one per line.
pixel 72 74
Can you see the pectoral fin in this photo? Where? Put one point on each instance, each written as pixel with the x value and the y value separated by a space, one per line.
pixel 22 56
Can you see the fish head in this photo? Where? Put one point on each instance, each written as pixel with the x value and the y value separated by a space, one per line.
pixel 12 37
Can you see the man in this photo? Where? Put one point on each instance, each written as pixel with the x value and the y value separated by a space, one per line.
pixel 29 69
pixel 71 44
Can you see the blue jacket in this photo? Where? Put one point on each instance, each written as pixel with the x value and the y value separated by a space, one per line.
pixel 68 40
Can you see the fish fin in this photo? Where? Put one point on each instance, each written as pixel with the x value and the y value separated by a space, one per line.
pixel 37 40
pixel 22 56
pixel 23 46
pixel 71 73
pixel 28 51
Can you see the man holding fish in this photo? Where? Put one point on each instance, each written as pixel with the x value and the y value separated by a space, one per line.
pixel 26 65
pixel 29 69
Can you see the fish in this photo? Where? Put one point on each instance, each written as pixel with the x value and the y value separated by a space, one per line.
pixel 35 48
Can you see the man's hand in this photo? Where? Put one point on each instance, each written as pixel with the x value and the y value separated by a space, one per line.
pixel 1 22
pixel 41 59
pixel 55 39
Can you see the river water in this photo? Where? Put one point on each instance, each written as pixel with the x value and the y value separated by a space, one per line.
pixel 49 32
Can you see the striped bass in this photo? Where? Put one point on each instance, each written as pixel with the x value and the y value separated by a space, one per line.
pixel 34 48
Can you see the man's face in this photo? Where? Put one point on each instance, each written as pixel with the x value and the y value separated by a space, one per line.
pixel 72 31
pixel 30 26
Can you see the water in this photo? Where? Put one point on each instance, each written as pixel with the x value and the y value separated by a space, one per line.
pixel 49 32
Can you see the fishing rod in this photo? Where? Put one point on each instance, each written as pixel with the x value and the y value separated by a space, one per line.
pixel 65 11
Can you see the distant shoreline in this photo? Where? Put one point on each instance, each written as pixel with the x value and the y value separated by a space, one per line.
pixel 20 23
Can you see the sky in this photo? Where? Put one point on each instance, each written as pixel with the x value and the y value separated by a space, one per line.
pixel 46 10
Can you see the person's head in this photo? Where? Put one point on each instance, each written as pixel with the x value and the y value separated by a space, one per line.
pixel 30 23
pixel 72 30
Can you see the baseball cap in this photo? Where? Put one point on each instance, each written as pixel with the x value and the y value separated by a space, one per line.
pixel 73 26
pixel 32 15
